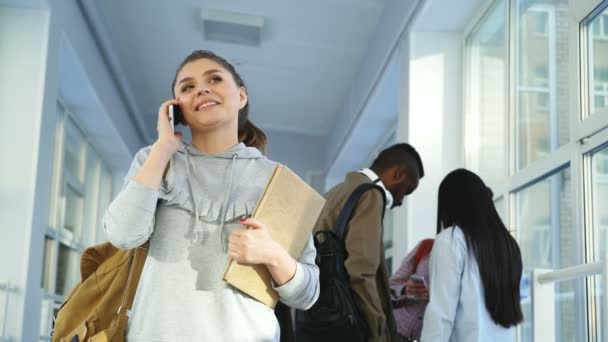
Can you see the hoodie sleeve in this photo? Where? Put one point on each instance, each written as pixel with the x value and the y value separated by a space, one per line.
pixel 129 220
pixel 302 291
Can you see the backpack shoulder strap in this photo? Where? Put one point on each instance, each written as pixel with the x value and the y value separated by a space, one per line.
pixel 349 207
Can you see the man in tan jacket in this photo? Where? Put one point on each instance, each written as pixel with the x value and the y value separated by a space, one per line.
pixel 397 170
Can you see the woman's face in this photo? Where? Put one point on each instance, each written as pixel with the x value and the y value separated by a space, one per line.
pixel 209 97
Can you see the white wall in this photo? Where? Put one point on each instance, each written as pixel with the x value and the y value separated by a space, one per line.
pixel 394 20
pixel 23 51
pixel 304 154
pixel 46 53
pixel 430 120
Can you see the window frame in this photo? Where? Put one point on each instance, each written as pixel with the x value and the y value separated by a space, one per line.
pixel 587 132
pixel 61 179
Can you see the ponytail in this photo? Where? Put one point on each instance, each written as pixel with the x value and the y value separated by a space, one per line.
pixel 252 136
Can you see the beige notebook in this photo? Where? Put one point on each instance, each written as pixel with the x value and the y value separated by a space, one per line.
pixel 289 208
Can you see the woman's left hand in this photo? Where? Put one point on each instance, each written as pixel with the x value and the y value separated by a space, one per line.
pixel 252 245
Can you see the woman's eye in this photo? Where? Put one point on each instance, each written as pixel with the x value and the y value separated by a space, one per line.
pixel 186 88
pixel 215 79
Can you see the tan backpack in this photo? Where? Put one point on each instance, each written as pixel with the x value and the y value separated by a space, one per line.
pixel 97 308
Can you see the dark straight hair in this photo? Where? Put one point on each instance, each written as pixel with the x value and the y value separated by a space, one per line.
pixel 248 133
pixel 465 201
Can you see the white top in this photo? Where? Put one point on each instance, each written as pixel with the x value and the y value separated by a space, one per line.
pixel 457 310
pixel 374 178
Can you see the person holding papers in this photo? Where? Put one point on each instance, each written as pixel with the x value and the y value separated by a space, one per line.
pixel 192 202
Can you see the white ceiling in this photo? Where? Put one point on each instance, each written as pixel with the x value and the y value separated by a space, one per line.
pixel 446 16
pixel 297 79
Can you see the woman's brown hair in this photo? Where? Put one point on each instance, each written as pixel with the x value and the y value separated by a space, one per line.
pixel 248 133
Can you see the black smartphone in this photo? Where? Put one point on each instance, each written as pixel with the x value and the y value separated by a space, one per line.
pixel 175 115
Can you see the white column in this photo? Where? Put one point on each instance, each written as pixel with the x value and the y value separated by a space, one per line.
pixel 23 60
pixel 430 119
pixel 543 308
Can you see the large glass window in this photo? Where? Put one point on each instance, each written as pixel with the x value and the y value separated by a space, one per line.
pixel 598 62
pixel 599 204
pixel 80 192
pixel 539 153
pixel 542 78
pixel 599 180
pixel 487 75
pixel 547 238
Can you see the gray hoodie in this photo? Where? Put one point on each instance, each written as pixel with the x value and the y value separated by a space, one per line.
pixel 181 295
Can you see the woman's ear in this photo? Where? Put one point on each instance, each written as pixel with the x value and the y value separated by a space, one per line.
pixel 243 97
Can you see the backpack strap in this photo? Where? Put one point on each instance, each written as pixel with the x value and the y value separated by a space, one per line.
pixel 424 249
pixel 349 207
pixel 138 258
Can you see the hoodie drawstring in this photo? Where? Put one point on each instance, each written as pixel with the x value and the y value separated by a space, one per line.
pixel 198 229
pixel 225 204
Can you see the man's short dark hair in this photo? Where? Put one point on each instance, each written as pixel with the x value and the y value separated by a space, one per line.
pixel 401 154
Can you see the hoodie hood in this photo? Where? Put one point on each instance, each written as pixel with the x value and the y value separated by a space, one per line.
pixel 241 151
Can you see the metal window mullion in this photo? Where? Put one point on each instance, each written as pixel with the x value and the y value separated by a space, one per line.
pixel 510 114
pixel 552 61
pixel 52 296
pixel 605 302
pixel 586 197
pixel 539 169
pixel 578 195
pixel 94 199
pixel 555 182
pixel 61 221
pixel 594 142
pixel 511 117
pixel 57 167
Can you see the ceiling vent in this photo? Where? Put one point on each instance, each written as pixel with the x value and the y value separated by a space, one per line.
pixel 230 27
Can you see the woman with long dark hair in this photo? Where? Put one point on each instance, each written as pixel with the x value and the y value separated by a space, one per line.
pixel 475 267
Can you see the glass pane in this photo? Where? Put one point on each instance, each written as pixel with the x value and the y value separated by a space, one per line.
pixel 487 97
pixel 542 93
pixel 3 305
pixel 105 196
pixel 388 229
pixel 598 63
pixel 525 328
pixel 547 238
pixel 599 188
pixel 389 265
pixel 46 317
pixel 568 319
pixel 596 307
pixel 47 263
pixel 74 150
pixel 599 177
pixel 73 211
pixel 89 219
pixel 500 208
pixel 55 199
pixel 67 270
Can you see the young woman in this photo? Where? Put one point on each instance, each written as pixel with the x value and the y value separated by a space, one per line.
pixel 475 267
pixel 192 202
pixel 413 295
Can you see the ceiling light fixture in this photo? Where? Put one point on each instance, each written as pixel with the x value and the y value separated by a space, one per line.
pixel 231 27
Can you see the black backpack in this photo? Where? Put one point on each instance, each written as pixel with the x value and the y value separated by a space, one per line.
pixel 334 317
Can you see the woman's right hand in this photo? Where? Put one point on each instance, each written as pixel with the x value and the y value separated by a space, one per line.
pixel 168 142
